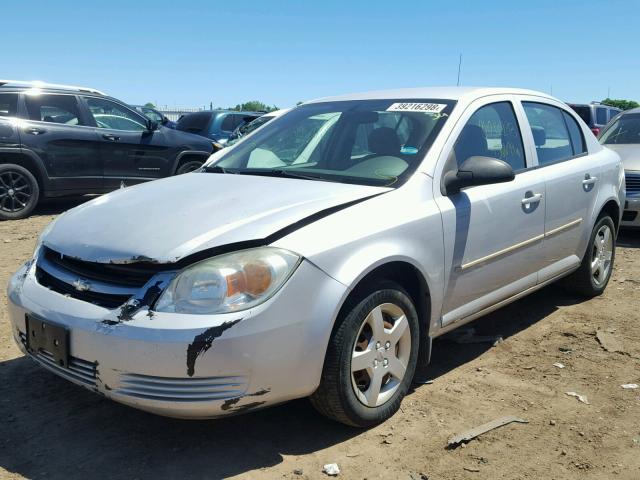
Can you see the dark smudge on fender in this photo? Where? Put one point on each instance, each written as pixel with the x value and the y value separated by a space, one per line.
pixel 201 343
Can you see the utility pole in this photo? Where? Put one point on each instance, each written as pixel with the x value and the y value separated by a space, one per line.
pixel 608 92
pixel 459 68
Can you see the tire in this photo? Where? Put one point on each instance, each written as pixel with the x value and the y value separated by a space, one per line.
pixel 19 192
pixel 189 166
pixel 350 398
pixel 600 254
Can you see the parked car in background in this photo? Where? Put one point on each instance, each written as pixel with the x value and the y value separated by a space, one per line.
pixel 216 125
pixel 321 256
pixel 58 140
pixel 248 127
pixel 155 115
pixel 595 115
pixel 623 136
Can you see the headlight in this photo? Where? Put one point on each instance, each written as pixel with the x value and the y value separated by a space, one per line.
pixel 230 282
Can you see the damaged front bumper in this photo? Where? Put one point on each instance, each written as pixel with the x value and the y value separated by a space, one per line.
pixel 189 366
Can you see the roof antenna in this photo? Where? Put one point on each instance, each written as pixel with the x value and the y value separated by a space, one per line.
pixel 459 68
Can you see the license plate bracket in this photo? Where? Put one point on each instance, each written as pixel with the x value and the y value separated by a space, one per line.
pixel 47 336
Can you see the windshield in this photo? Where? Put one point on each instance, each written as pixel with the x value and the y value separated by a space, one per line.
pixel 625 130
pixel 368 142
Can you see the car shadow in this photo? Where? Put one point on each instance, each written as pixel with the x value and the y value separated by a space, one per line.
pixel 55 206
pixel 51 428
pixel 629 238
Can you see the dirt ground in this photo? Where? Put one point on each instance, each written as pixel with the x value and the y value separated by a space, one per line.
pixel 50 428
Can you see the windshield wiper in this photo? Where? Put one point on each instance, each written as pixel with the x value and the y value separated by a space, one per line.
pixel 283 173
pixel 216 169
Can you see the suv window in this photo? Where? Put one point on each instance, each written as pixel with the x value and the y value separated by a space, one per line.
pixel 194 122
pixel 601 116
pixel 550 134
pixel 231 121
pixel 492 131
pixel 61 109
pixel 613 112
pixel 108 114
pixel 8 104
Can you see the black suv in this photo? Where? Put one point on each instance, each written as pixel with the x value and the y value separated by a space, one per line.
pixel 58 140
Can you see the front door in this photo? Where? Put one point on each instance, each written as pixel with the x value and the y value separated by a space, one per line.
pixel 131 153
pixel 493 233
pixel 56 131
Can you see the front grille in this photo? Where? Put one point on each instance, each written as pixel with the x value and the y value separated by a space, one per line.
pixel 632 181
pixel 105 284
pixel 79 371
pixel 170 389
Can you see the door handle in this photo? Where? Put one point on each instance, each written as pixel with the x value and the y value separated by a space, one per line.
pixel 526 201
pixel 34 130
pixel 589 180
pixel 110 137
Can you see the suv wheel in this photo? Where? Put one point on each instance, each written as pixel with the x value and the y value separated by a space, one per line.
pixel 597 264
pixel 371 359
pixel 19 192
pixel 189 166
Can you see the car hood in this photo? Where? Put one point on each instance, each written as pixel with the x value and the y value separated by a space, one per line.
pixel 630 155
pixel 166 220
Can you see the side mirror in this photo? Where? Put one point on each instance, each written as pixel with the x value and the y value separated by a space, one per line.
pixel 478 171
pixel 151 125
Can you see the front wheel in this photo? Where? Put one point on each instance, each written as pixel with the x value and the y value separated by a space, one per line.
pixel 371 358
pixel 596 268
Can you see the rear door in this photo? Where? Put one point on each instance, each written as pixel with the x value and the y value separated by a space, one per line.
pixel 56 130
pixel 130 152
pixel 492 233
pixel 571 177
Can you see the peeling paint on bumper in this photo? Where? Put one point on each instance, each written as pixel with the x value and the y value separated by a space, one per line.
pixel 254 358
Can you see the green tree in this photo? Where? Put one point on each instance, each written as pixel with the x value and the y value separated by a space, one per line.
pixel 149 105
pixel 255 106
pixel 622 104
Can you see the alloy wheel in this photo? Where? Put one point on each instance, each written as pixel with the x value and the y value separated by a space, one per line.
pixel 602 253
pixel 15 191
pixel 380 355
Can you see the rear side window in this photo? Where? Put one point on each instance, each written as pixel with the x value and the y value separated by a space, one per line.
pixel 492 131
pixel 8 104
pixel 601 116
pixel 550 133
pixel 575 133
pixel 231 121
pixel 194 122
pixel 61 109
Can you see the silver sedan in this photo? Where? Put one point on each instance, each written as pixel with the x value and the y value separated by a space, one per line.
pixel 321 255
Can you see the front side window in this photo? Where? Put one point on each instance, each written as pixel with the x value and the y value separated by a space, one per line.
pixel 369 142
pixel 624 130
pixel 8 104
pixel 550 134
pixel 492 131
pixel 108 114
pixel 601 116
pixel 61 109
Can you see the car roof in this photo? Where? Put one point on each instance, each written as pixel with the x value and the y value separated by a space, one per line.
pixel 631 110
pixel 445 93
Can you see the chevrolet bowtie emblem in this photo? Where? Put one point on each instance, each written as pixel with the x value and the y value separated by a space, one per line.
pixel 81 285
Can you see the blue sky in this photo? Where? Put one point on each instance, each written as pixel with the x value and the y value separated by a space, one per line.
pixel 189 53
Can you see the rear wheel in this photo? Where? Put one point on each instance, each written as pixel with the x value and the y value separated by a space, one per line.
pixel 371 358
pixel 19 192
pixel 597 264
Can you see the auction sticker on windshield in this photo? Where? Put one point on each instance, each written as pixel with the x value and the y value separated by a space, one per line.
pixel 417 107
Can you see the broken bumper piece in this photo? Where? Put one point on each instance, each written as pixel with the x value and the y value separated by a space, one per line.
pixel 188 366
